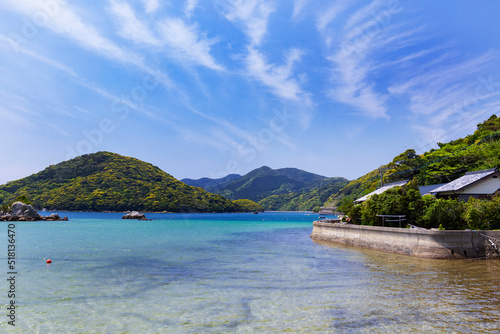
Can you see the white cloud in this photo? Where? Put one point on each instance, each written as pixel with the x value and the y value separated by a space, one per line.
pixel 298 6
pixel 450 92
pixel 186 41
pixel 279 78
pixel 130 26
pixel 190 6
pixel 151 6
pixel 364 14
pixel 369 35
pixel 329 15
pixel 64 20
pixel 353 84
pixel 407 60
pixel 254 15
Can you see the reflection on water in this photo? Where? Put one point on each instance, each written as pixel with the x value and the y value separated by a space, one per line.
pixel 463 294
pixel 220 277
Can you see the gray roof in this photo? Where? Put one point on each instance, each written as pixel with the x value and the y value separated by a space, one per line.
pixel 426 190
pixel 381 190
pixel 465 181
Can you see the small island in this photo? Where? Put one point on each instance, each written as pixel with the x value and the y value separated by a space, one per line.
pixel 105 181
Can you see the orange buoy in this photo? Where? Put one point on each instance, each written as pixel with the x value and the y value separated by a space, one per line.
pixel 49 261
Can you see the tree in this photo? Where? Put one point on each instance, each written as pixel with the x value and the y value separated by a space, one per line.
pixel 446 212
pixel 483 214
pixel 405 200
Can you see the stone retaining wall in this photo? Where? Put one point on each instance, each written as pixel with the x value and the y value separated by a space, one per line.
pixel 415 242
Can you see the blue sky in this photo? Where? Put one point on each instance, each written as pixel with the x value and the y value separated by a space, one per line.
pixel 209 88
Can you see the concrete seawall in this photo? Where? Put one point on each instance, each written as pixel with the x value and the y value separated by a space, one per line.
pixel 415 242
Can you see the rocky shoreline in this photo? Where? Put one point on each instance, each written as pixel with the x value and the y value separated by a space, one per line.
pixel 20 211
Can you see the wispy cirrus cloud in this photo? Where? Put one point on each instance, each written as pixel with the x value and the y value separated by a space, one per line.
pixel 151 6
pixel 366 36
pixel 364 14
pixel 174 37
pixel 185 41
pixel 298 7
pixel 451 91
pixel 254 15
pixel 76 78
pixel 329 15
pixel 66 22
pixel 130 26
pixel 280 78
pixel 190 7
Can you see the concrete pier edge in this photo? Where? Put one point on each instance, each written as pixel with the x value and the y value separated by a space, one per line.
pixel 431 244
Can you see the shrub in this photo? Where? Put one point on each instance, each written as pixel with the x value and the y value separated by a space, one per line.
pixel 356 214
pixel 404 200
pixel 483 214
pixel 446 212
pixel 427 211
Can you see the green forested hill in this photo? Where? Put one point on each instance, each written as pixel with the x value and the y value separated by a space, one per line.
pixel 477 151
pixel 107 181
pixel 283 189
pixel 306 200
pixel 211 185
pixel 258 184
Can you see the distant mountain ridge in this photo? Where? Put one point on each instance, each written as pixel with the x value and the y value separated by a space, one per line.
pixel 276 189
pixel 105 181
pixel 265 181
pixel 211 185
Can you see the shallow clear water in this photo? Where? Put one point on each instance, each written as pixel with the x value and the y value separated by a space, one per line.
pixel 243 273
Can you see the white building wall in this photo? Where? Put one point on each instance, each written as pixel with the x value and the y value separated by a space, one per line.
pixel 486 186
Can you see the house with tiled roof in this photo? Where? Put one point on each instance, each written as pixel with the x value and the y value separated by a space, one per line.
pixel 479 184
pixel 381 190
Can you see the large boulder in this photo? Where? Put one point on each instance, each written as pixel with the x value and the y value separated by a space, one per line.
pixel 19 209
pixel 55 217
pixel 134 215
pixel 25 212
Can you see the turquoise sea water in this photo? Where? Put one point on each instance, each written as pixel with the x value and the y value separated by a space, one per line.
pixel 225 273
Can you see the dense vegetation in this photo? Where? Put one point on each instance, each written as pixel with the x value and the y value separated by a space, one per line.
pixel 285 189
pixel 110 182
pixel 478 151
pixel 264 181
pixel 426 211
pixel 211 185
pixel 306 200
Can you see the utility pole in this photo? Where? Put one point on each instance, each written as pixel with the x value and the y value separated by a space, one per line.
pixel 382 169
